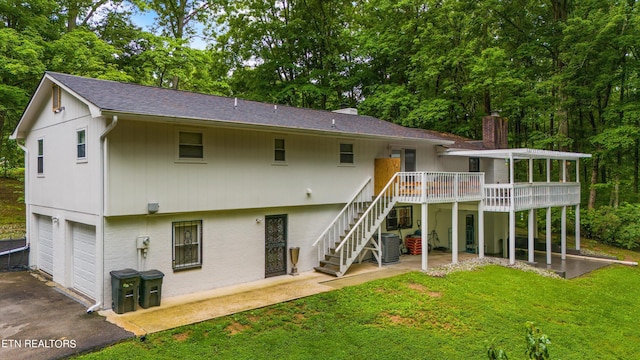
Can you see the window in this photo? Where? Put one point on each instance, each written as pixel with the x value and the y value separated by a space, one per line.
pixel 474 164
pixel 187 244
pixel 400 217
pixel 55 98
pixel 346 153
pixel 190 145
pixel 40 156
pixel 279 150
pixel 81 144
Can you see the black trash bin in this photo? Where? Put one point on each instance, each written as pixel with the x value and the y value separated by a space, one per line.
pixel 150 288
pixel 124 290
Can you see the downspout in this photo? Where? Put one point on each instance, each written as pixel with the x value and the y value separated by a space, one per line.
pixel 26 192
pixel 100 259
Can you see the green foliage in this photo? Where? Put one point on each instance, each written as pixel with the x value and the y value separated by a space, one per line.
pixel 414 316
pixel 615 226
pixel 536 343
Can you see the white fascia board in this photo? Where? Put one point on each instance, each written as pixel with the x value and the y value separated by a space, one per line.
pixel 522 153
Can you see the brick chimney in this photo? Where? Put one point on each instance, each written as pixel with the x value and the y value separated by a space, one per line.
pixel 494 131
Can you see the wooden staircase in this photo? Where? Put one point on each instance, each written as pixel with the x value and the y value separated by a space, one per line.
pixel 351 232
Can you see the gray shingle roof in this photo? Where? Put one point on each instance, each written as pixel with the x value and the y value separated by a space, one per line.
pixel 126 98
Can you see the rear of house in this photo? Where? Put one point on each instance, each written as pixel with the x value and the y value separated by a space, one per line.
pixel 213 191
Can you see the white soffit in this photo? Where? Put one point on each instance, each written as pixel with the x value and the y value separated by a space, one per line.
pixel 523 153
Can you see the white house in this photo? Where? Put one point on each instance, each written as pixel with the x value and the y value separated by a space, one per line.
pixel 212 191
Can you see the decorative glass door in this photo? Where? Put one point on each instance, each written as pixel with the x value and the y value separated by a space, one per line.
pixel 275 245
pixel 471 235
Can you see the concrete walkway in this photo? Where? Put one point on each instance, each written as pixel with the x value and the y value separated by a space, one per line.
pixel 192 308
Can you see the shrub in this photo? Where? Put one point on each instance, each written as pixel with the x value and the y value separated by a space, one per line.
pixel 614 226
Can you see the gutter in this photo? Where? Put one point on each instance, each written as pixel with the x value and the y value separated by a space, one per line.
pixel 100 258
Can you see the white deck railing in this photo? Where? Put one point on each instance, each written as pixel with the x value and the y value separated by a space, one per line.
pixel 501 197
pixel 439 187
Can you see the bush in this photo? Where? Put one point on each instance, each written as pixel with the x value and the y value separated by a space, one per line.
pixel 614 226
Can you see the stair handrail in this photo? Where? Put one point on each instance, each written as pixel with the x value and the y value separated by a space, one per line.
pixel 389 200
pixel 369 209
pixel 364 192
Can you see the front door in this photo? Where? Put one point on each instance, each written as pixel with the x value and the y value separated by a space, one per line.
pixel 275 245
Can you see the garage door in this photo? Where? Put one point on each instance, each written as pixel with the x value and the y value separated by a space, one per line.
pixel 84 258
pixel 45 244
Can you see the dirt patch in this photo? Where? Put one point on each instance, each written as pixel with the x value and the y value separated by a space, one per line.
pixel 182 337
pixel 235 328
pixel 396 319
pixel 434 294
pixel 417 287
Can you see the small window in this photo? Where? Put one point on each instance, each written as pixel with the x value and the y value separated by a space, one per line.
pixel 40 156
pixel 187 244
pixel 400 217
pixel 190 145
pixel 346 153
pixel 474 164
pixel 55 98
pixel 81 144
pixel 279 151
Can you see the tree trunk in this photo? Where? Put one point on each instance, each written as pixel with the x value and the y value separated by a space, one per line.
pixel 594 181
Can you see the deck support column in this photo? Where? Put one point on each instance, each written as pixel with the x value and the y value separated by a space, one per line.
pixel 578 227
pixel 548 235
pixel 454 233
pixel 531 245
pixel 512 236
pixel 481 229
pixel 424 231
pixel 563 233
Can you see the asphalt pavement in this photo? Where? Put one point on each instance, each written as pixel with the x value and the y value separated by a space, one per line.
pixel 39 321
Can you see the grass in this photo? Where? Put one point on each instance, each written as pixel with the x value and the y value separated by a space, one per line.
pixel 416 316
pixel 12 209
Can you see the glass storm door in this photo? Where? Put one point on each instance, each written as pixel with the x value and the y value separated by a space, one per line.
pixel 275 245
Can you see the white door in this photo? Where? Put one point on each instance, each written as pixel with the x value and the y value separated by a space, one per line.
pixel 45 244
pixel 84 258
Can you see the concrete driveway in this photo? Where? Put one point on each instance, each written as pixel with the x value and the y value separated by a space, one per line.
pixel 38 321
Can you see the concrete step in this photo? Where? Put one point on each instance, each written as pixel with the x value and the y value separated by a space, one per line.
pixel 328 271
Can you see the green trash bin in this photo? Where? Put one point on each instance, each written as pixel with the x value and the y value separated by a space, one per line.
pixel 150 288
pixel 124 290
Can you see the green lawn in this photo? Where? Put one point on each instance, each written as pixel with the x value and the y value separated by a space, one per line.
pixel 415 316
pixel 12 209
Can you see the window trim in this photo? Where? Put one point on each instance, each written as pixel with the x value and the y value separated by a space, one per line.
pixel 283 150
pixel 341 153
pixel 193 265
pixel 81 159
pixel 40 157
pixel 56 98
pixel 195 160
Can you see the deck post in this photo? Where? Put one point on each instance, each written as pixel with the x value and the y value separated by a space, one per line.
pixel 481 229
pixel 531 245
pixel 563 234
pixel 424 231
pixel 454 233
pixel 548 235
pixel 512 236
pixel 578 227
